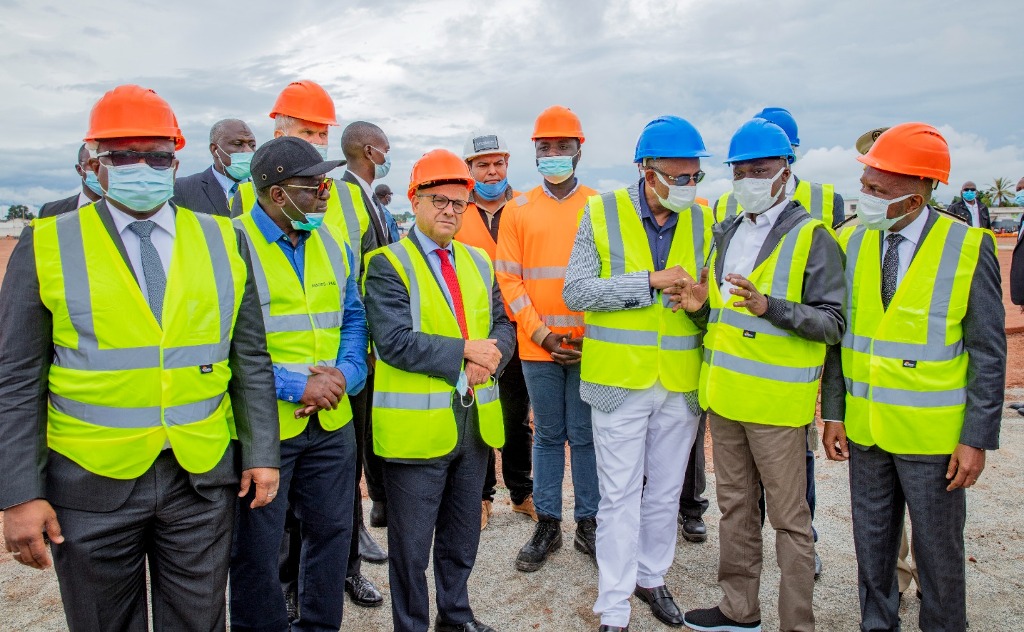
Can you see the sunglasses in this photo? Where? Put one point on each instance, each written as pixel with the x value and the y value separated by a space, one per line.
pixel 441 202
pixel 320 188
pixel 975 190
pixel 125 157
pixel 682 179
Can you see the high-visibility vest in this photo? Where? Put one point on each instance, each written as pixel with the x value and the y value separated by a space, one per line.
pixel 818 199
pixel 634 348
pixel 303 321
pixel 121 385
pixel 754 371
pixel 905 367
pixel 412 412
pixel 474 232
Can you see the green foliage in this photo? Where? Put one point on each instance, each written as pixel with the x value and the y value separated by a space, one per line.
pixel 1001 192
pixel 19 211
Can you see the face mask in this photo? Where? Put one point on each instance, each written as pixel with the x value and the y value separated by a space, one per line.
pixel 462 388
pixel 380 171
pixel 312 221
pixel 679 197
pixel 1019 198
pixel 872 211
pixel 322 149
pixel 140 187
pixel 93 183
pixel 491 191
pixel 239 167
pixel 555 169
pixel 755 194
pixel 970 195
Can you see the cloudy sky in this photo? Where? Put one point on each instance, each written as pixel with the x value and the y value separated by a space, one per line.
pixel 431 72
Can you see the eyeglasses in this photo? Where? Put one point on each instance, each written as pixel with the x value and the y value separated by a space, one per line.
pixel 441 202
pixel 975 190
pixel 320 188
pixel 155 159
pixel 680 180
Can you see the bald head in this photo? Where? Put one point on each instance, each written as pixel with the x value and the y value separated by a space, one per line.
pixel 83 154
pixel 365 146
pixel 969 185
pixel 1020 184
pixel 226 129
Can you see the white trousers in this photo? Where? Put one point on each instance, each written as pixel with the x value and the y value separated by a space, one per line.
pixel 650 435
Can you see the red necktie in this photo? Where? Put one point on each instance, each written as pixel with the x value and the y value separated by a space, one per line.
pixel 452 281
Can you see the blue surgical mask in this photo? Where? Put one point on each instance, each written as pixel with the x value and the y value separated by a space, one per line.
pixel 93 183
pixel 139 187
pixel 381 171
pixel 1019 198
pixel 555 169
pixel 239 167
pixel 310 222
pixel 491 191
pixel 322 149
pixel 969 195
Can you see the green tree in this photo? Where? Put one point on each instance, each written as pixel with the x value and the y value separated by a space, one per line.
pixel 1001 191
pixel 19 211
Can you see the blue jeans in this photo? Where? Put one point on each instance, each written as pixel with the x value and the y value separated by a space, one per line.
pixel 559 415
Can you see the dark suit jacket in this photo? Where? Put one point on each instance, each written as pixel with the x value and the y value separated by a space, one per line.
pixel 59 207
pixel 1017 273
pixel 380 234
pixel 200 192
pixel 26 351
pixel 984 342
pixel 959 208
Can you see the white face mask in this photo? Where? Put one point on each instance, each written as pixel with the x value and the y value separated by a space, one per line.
pixel 873 211
pixel 755 194
pixel 679 198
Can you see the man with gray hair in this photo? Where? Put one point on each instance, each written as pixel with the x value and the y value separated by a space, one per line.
pixel 231 145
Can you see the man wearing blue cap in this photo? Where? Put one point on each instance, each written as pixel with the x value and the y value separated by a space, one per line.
pixel 641 370
pixel 771 300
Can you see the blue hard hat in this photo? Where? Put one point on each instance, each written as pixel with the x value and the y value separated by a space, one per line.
pixel 785 120
pixel 669 137
pixel 758 138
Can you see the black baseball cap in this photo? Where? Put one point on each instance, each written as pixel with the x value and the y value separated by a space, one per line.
pixel 287 157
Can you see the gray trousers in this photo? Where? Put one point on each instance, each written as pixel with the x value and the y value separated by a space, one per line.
pixel 881 486
pixel 185 538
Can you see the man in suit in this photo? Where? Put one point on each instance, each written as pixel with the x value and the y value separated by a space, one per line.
pixel 382 193
pixel 907 397
pixel 231 146
pixel 1017 264
pixel 91 190
pixel 970 207
pixel 441 335
pixel 144 334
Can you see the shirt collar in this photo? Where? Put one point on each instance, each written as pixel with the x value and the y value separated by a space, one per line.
pixel 364 184
pixel 547 191
pixel 83 199
pixel 164 218
pixel 225 182
pixel 912 231
pixel 429 245
pixel 771 215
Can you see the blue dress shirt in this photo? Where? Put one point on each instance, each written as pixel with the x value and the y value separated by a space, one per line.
pixel 659 238
pixel 351 359
pixel 434 260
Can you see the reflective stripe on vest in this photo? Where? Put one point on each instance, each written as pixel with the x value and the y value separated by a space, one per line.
pixel 817 199
pixel 652 343
pixel 356 223
pixel 747 354
pixel 905 367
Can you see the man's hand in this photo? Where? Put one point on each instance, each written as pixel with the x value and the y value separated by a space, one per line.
pixel 483 352
pixel 266 480
pixel 324 388
pixel 476 374
pixel 966 464
pixel 755 302
pixel 834 440
pixel 688 294
pixel 664 279
pixel 24 526
pixel 565 356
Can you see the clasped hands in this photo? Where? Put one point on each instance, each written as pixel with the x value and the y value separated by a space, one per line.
pixel 324 389
pixel 482 359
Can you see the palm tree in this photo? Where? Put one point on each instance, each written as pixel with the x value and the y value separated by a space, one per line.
pixel 1001 191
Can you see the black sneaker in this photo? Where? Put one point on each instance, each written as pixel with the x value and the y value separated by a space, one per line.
pixel 712 620
pixel 547 538
pixel 586 537
pixel 694 529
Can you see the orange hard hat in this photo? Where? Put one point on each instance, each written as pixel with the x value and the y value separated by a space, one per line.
pixel 306 100
pixel 558 122
pixel 438 166
pixel 913 149
pixel 133 111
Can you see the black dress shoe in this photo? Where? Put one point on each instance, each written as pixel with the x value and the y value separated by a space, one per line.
pixel 612 628
pixel 817 567
pixel 379 514
pixel 470 626
pixel 547 538
pixel 586 537
pixel 694 529
pixel 363 592
pixel 662 605
pixel 1017 405
pixel 369 550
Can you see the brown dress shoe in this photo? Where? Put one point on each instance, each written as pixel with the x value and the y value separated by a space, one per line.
pixel 526 507
pixel 485 513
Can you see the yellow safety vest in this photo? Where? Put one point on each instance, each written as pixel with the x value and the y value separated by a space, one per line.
pixel 412 412
pixel 121 385
pixel 753 371
pixel 634 348
pixel 905 367
pixel 818 199
pixel 303 321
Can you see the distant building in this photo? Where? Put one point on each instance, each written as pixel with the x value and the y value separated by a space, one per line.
pixel 12 228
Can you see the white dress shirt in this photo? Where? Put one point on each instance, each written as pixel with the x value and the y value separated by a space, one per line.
pixel 83 199
pixel 162 238
pixel 225 183
pixel 746 243
pixel 911 236
pixel 972 208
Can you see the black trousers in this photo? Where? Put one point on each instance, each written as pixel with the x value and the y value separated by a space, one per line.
pixel 436 500
pixel 367 463
pixel 517 453
pixel 691 502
